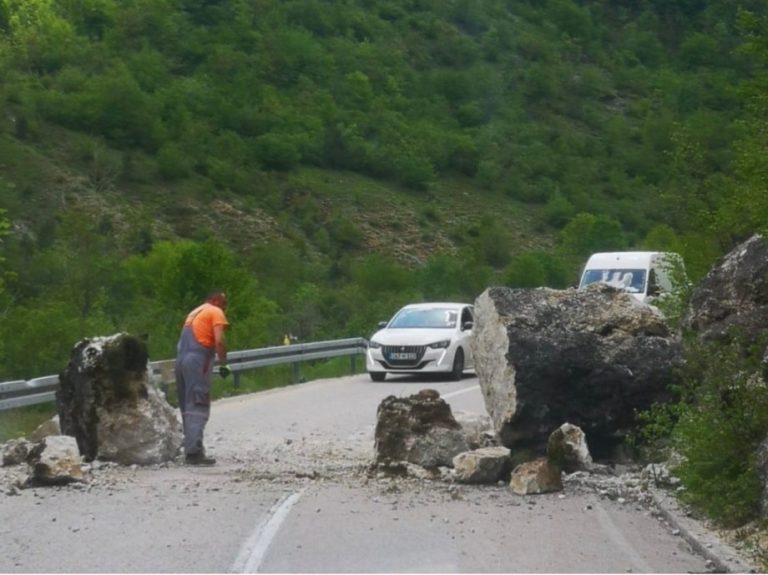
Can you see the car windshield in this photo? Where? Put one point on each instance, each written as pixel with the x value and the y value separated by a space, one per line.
pixel 632 281
pixel 436 317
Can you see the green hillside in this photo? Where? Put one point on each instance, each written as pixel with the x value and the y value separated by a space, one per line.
pixel 328 161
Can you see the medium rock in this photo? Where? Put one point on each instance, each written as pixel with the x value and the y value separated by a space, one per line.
pixel 538 476
pixel 567 449
pixel 418 429
pixel 485 465
pixel 55 461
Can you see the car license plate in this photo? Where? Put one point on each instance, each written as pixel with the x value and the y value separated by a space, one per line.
pixel 399 355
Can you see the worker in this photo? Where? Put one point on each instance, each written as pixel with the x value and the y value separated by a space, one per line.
pixel 201 343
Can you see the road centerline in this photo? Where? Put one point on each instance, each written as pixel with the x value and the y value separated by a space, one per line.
pixel 257 544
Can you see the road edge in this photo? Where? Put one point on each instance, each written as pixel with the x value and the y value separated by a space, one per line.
pixel 724 557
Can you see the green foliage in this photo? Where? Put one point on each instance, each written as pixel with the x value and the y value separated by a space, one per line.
pixel 586 234
pixel 21 422
pixel 536 269
pixel 724 420
pixel 55 322
pixel 559 210
pixel 277 151
pixel 172 162
pixel 5 227
pixel 489 241
pixel 173 278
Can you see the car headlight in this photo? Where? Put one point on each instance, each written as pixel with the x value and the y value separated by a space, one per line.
pixel 374 344
pixel 440 344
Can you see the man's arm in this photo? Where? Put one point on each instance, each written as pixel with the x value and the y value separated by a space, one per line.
pixel 220 344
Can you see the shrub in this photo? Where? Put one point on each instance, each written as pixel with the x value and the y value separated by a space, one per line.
pixel 277 152
pixel 723 420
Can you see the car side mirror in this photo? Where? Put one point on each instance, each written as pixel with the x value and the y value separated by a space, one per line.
pixel 467 325
pixel 382 324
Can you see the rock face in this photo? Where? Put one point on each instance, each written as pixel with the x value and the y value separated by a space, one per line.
pixel 106 402
pixel 734 294
pixel 590 357
pixel 419 429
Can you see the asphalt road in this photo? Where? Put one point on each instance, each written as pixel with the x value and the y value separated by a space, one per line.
pixel 293 493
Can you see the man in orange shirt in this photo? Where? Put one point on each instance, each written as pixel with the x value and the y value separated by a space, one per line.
pixel 201 342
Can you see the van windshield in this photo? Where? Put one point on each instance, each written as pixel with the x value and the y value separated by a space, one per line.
pixel 632 280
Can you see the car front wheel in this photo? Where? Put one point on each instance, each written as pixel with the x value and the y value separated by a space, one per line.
pixel 378 375
pixel 458 365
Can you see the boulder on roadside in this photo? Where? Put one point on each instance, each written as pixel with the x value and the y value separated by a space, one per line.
pixel 106 401
pixel 418 429
pixel 534 477
pixel 593 357
pixel 486 465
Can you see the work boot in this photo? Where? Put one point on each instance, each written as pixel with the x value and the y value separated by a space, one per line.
pixel 199 459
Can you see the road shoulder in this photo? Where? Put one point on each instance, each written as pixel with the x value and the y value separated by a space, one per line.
pixel 724 557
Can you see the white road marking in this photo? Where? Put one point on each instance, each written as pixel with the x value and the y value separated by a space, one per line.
pixel 459 392
pixel 255 547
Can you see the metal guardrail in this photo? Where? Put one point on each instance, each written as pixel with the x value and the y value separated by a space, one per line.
pixel 43 389
pixel 20 393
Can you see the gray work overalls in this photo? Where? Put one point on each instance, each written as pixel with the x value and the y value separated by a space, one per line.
pixel 194 369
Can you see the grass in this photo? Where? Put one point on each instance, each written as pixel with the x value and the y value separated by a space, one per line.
pixel 22 421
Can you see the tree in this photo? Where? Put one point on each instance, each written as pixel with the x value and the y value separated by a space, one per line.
pixel 586 234
pixel 41 38
pixel 535 269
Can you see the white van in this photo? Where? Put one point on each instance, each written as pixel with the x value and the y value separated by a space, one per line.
pixel 645 275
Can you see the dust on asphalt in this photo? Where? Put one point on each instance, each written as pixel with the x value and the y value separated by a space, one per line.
pixel 291 465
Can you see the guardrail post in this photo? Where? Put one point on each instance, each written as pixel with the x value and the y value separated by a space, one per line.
pixel 296 374
pixel 353 364
pixel 236 380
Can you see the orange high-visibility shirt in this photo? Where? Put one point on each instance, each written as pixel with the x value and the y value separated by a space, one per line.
pixel 203 319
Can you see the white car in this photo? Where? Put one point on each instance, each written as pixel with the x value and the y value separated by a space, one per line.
pixel 423 338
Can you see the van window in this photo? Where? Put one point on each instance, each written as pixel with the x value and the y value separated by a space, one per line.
pixel 630 280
